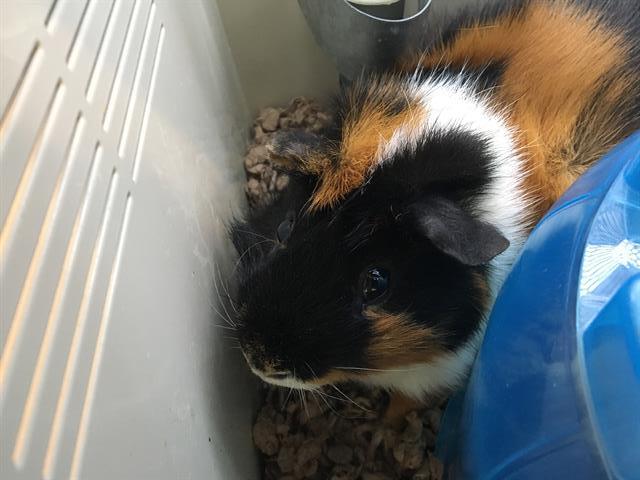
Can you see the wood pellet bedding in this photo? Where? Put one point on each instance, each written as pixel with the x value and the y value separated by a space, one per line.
pixel 337 433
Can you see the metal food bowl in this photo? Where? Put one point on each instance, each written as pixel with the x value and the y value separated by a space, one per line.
pixel 361 37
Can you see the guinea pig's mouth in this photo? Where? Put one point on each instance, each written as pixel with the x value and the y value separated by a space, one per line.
pixel 282 378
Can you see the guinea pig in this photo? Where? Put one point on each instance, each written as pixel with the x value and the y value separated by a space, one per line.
pixel 383 262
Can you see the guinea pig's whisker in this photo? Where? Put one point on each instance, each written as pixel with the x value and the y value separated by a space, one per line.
pixel 286 398
pixel 342 401
pixel 315 377
pixel 321 395
pixel 247 250
pixel 324 396
pixel 320 392
pixel 226 319
pixel 317 389
pixel 215 284
pixel 315 398
pixel 349 398
pixel 256 235
pixel 302 401
pixel 226 289
pixel 337 399
pixel 376 369
pixel 231 302
pixel 225 327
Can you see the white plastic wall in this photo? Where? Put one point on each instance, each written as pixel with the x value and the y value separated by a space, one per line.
pixel 122 130
pixel 275 53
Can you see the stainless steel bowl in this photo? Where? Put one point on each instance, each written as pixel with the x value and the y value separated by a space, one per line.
pixel 361 37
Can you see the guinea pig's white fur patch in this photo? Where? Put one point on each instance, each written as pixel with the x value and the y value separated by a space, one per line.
pixel 453 104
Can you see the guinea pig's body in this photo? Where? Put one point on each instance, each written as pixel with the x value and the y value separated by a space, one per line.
pixel 387 257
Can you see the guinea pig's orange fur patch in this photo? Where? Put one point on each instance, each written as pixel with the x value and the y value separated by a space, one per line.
pixel 397 341
pixel 309 163
pixel 365 132
pixel 557 58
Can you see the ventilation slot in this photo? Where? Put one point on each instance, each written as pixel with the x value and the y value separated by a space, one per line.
pixel 71 139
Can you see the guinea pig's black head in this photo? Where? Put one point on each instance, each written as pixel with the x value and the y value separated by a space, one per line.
pixel 391 275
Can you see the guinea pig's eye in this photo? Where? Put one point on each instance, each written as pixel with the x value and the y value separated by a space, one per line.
pixel 375 283
pixel 285 228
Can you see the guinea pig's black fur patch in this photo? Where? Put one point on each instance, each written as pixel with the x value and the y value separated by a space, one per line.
pixel 301 302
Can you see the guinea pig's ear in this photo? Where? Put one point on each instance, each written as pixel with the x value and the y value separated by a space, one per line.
pixel 457 233
pixel 298 151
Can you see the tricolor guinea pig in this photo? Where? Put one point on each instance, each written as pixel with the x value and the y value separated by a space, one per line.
pixel 381 263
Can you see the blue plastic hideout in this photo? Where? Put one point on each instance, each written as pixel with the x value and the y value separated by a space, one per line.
pixel 555 391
